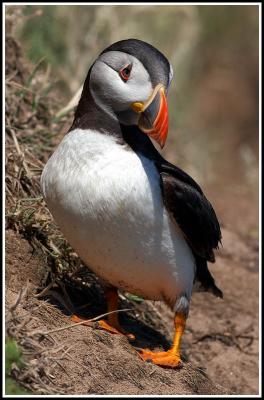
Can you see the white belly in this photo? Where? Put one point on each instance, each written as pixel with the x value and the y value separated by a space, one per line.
pixel 107 202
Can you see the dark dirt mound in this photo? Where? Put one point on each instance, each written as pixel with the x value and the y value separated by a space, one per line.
pixel 83 360
pixel 221 337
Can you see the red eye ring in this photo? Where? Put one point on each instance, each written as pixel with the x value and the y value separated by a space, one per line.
pixel 125 72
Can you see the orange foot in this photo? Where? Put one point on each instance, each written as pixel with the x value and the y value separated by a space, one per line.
pixel 102 324
pixel 162 358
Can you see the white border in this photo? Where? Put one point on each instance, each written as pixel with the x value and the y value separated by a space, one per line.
pixel 260 197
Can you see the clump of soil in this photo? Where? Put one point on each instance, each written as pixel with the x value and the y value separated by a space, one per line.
pixel 81 359
pixel 221 336
pixel 46 283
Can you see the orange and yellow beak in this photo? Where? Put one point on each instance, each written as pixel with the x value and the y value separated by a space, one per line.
pixel 154 115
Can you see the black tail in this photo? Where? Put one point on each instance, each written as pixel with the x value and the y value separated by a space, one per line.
pixel 205 279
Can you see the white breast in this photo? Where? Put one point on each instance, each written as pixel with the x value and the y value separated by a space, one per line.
pixel 107 201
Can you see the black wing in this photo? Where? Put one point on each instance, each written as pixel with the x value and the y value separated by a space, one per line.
pixel 196 218
pixel 188 206
pixel 191 210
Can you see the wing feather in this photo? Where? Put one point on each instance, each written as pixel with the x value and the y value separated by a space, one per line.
pixel 187 205
pixel 191 210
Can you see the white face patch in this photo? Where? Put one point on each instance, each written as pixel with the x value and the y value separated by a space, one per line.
pixel 110 90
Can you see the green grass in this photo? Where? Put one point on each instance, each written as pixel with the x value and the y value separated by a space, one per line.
pixel 133 297
pixel 13 355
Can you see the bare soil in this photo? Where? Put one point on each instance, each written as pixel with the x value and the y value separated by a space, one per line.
pixel 221 339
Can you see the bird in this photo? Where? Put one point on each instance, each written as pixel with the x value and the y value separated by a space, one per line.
pixel 139 222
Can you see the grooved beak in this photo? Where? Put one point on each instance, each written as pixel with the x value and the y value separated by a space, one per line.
pixel 154 115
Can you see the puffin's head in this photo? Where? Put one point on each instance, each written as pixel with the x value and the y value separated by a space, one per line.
pixel 131 79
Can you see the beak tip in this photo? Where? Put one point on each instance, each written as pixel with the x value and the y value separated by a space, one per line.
pixel 162 145
pixel 154 117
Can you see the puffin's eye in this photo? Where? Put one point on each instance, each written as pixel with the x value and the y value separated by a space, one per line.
pixel 125 72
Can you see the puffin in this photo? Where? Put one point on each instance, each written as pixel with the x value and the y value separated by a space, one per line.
pixel 140 223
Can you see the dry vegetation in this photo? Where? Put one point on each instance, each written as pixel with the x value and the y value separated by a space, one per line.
pixel 46 282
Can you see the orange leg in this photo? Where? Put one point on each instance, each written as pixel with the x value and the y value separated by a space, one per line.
pixel 112 325
pixel 170 358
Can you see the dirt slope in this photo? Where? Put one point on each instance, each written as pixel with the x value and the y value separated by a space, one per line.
pixel 221 337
